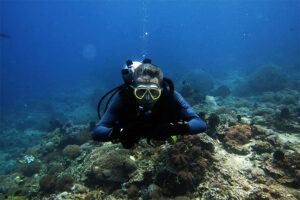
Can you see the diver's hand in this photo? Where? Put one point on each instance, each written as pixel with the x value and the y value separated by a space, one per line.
pixel 169 129
pixel 115 133
pixel 136 128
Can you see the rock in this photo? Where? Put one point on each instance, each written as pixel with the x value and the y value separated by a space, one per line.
pixel 245 120
pixel 260 130
pixel 272 168
pixel 211 102
pixel 273 139
pixel 262 147
pixel 206 142
pixel 78 188
pixel 255 172
pixel 49 146
pixel 108 166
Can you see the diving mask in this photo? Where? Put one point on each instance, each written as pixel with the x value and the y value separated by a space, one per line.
pixel 147 91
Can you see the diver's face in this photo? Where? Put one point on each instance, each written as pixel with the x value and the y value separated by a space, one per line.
pixel 147 92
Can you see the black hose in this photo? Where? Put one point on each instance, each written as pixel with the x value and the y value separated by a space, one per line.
pixel 103 97
pixel 117 90
pixel 171 85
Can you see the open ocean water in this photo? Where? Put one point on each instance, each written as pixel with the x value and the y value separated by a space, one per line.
pixel 236 62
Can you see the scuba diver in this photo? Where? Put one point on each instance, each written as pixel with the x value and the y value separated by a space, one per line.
pixel 146 106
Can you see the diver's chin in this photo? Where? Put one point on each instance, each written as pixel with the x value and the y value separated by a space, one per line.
pixel 147 106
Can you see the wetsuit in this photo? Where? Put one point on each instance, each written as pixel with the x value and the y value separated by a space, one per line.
pixel 125 120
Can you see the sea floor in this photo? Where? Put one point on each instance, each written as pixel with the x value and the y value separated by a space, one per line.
pixel 250 151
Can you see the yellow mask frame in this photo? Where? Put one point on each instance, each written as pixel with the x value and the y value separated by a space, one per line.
pixel 150 90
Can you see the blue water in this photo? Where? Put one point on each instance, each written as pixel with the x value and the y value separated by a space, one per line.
pixel 57 50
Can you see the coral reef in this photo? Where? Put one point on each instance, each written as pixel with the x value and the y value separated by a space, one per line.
pixel 265 79
pixel 72 151
pixel 278 155
pixel 236 136
pixel 186 161
pixel 47 183
pixel 83 137
pixel 250 151
pixel 285 170
pixel 54 124
pixel 213 122
pixel 64 183
pixel 193 96
pixel 262 147
pixel 29 169
pixel 56 169
pixel 222 91
pixel 199 80
pixel 108 167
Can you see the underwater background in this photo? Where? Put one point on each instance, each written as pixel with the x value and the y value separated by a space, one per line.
pixel 237 63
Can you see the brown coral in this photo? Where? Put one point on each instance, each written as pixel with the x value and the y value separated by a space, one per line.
pixel 47 184
pixel 238 134
pixel 178 156
pixel 64 183
pixel 285 171
pixel 184 167
pixel 185 175
pixel 72 151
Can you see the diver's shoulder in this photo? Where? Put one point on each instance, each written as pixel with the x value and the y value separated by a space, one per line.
pixel 177 95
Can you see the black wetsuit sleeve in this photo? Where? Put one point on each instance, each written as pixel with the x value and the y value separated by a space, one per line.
pixel 186 113
pixel 105 125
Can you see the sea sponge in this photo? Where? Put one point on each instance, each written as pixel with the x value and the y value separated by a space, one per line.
pixel 47 184
pixel 83 137
pixel 64 183
pixel 55 155
pixel 54 170
pixel 213 121
pixel 28 169
pixel 72 151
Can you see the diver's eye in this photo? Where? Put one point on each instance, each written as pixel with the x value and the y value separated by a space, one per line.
pixel 141 92
pixel 154 93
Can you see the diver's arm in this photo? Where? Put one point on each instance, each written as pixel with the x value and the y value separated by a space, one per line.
pixel 195 123
pixel 104 128
pixel 190 122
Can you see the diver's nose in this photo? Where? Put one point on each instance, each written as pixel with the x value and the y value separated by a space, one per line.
pixel 147 96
